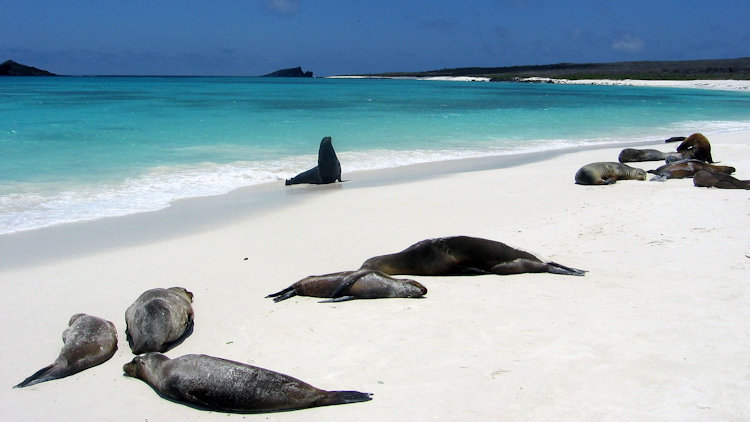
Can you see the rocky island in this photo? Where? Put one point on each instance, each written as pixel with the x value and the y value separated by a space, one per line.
pixel 11 68
pixel 294 72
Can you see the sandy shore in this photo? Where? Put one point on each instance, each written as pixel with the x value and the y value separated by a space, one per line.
pixel 720 84
pixel 657 330
pixel 723 84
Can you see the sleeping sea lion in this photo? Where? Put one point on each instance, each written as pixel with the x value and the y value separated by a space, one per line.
pixel 211 383
pixel 709 179
pixel 347 285
pixel 697 147
pixel 675 139
pixel 631 155
pixel 686 168
pixel 88 341
pixel 463 255
pixel 327 171
pixel 607 173
pixel 159 319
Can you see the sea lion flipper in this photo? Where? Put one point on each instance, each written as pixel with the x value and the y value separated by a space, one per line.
pixel 37 377
pixel 347 282
pixel 287 293
pixel 338 299
pixel 279 293
pixel 343 397
pixel 556 268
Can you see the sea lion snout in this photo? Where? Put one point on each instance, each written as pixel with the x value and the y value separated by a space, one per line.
pixel 131 368
pixel 422 289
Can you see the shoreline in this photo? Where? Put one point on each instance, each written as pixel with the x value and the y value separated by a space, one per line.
pixel 657 329
pixel 718 84
pixel 195 214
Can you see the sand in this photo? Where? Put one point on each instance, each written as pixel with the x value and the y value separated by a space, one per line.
pixel 720 84
pixel 657 330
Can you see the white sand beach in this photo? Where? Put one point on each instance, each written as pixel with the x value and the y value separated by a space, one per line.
pixel 657 329
pixel 721 84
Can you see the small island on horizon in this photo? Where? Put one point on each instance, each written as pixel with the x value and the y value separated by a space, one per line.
pixel 293 72
pixel 11 68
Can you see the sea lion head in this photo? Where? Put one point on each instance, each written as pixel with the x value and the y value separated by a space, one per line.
pixel 137 367
pixel 182 291
pixel 640 174
pixel 414 289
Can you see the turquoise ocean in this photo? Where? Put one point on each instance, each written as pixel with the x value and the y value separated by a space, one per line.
pixel 80 148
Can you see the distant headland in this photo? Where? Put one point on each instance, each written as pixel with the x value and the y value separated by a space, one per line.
pixel 11 68
pixel 738 69
pixel 294 72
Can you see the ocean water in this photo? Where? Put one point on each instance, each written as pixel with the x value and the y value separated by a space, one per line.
pixel 78 148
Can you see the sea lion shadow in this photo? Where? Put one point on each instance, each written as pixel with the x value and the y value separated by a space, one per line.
pixel 352 298
pixel 309 189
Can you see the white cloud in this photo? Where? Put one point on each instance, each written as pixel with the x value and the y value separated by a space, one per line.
pixel 285 7
pixel 628 43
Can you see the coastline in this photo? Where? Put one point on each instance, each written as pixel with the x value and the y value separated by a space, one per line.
pixel 196 214
pixel 656 329
pixel 719 84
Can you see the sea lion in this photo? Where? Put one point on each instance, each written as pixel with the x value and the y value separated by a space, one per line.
pixel 709 179
pixel 212 383
pixel 686 168
pixel 631 155
pixel 88 341
pixel 159 319
pixel 348 285
pixel 675 139
pixel 327 171
pixel 697 147
pixel 607 173
pixel 463 255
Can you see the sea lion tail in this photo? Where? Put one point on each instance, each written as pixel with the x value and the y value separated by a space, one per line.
pixel 343 397
pixel 555 268
pixel 283 295
pixel 41 375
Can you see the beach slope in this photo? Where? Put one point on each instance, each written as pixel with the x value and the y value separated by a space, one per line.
pixel 656 330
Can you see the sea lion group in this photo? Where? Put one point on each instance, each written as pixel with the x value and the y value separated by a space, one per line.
pixel 159 320
pixel 445 256
pixel 693 156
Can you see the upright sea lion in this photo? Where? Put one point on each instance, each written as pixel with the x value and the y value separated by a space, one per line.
pixel 686 168
pixel 607 173
pixel 159 319
pixel 347 285
pixel 463 255
pixel 697 147
pixel 88 341
pixel 223 385
pixel 631 155
pixel 709 179
pixel 328 169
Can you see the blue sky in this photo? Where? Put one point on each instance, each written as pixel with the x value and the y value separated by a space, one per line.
pixel 328 37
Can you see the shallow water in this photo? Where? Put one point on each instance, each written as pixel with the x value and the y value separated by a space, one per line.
pixel 81 148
